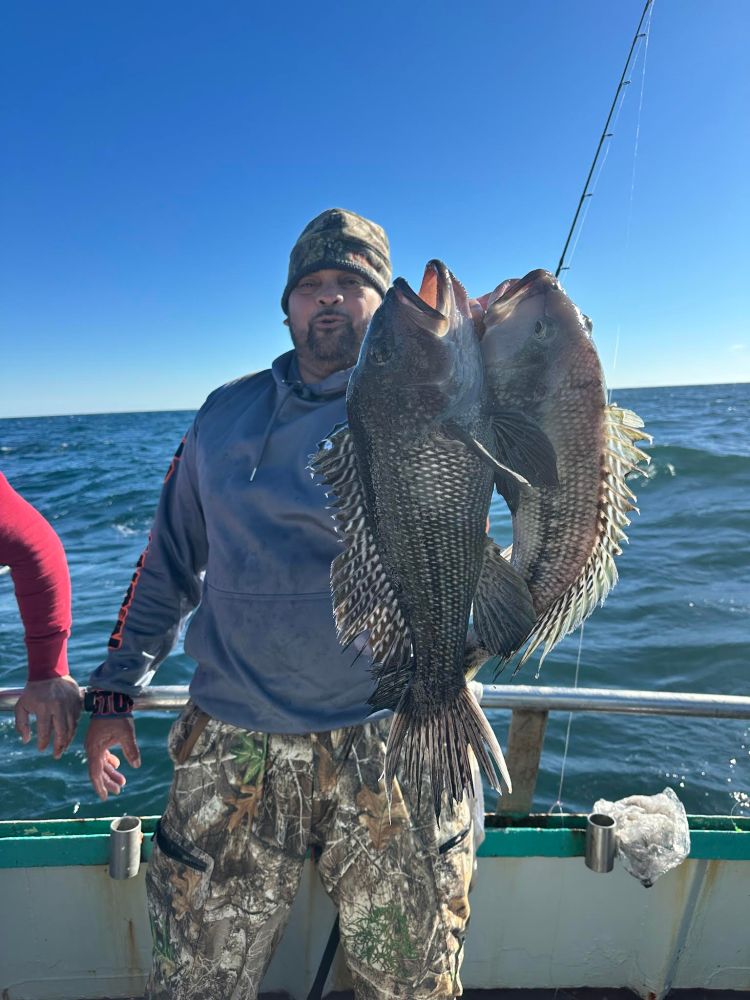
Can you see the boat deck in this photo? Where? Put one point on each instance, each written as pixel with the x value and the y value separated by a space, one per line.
pixel 580 993
pixel 558 994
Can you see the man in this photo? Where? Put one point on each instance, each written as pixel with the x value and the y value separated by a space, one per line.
pixel 32 549
pixel 271 756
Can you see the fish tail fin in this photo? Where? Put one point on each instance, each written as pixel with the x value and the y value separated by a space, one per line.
pixel 439 738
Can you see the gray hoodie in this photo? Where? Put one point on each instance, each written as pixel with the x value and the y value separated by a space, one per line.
pixel 240 503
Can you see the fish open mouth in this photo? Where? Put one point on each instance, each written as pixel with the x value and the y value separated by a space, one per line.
pixel 511 293
pixel 440 296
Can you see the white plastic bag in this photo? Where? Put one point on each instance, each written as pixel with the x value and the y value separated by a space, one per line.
pixel 651 833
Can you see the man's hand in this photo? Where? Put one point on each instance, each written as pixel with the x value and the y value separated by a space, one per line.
pixel 103 734
pixel 56 703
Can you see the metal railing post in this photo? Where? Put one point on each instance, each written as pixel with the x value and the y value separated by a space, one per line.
pixel 525 742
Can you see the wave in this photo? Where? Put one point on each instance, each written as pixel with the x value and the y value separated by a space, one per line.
pixel 672 460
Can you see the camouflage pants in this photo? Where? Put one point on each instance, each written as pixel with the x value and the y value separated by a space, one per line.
pixel 244 809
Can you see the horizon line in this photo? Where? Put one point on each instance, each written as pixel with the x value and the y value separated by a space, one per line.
pixel 194 409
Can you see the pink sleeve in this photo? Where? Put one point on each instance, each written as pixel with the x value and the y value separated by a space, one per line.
pixel 30 546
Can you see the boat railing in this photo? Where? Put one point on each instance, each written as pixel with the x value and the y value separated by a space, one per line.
pixel 530 707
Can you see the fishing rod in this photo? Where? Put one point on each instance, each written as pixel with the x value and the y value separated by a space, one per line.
pixel 561 266
pixel 606 134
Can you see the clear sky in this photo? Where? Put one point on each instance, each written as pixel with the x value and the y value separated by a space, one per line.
pixel 158 160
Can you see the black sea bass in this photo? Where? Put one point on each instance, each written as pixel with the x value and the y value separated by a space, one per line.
pixel 540 362
pixel 413 477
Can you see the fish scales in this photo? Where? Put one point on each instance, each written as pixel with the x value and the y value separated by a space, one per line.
pixel 412 488
pixel 429 504
pixel 540 360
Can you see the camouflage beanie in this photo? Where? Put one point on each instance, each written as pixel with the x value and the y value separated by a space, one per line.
pixel 344 241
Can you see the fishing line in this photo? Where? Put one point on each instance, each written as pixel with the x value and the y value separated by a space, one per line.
pixel 626 245
pixel 558 801
pixel 606 134
pixel 614 363
pixel 638 127
pixel 584 204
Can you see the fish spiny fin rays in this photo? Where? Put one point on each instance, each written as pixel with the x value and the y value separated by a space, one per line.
pixel 616 500
pixel 440 740
pixel 503 609
pixel 363 598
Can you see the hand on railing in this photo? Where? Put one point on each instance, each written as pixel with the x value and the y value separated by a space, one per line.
pixel 102 764
pixel 56 703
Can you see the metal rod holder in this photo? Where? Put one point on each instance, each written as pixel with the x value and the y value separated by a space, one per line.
pixel 600 843
pixel 125 838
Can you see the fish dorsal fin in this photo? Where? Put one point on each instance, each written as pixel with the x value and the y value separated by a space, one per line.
pixel 363 597
pixel 503 610
pixel 522 445
pixel 616 500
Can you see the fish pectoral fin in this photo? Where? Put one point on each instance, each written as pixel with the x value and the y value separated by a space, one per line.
pixel 503 610
pixel 363 597
pixel 521 445
pixel 485 454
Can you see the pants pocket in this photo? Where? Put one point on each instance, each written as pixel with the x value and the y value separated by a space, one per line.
pixel 190 856
pixel 186 732
pixel 177 885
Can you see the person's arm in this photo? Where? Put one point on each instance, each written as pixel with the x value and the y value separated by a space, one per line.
pixel 165 588
pixel 30 546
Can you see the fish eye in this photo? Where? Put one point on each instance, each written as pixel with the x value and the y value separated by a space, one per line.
pixel 543 330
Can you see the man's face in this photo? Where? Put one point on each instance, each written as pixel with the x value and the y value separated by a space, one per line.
pixel 329 312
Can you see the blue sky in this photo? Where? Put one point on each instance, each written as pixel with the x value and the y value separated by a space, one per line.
pixel 159 159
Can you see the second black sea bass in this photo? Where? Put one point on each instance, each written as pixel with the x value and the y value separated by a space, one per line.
pixel 413 491
pixel 541 364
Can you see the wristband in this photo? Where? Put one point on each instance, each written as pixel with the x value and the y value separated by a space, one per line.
pixel 105 704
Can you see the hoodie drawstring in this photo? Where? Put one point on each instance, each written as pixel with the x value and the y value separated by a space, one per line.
pixel 269 427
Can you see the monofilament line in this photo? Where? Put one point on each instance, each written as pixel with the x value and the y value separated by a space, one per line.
pixel 606 134
pixel 647 34
pixel 558 801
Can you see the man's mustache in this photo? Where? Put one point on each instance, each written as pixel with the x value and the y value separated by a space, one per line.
pixel 329 312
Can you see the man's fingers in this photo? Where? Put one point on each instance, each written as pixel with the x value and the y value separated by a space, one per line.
pixel 96 775
pixel 103 734
pixel 70 722
pixel 65 729
pixel 105 777
pixel 22 723
pixel 112 786
pixel 60 742
pixel 111 774
pixel 130 749
pixel 43 730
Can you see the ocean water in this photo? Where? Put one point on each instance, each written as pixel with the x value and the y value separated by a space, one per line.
pixel 678 620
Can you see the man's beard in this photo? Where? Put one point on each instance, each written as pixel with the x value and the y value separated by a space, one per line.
pixel 337 348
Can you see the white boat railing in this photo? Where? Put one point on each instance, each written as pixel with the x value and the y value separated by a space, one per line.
pixel 530 707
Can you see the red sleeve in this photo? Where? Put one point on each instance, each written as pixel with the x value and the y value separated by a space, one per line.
pixel 29 545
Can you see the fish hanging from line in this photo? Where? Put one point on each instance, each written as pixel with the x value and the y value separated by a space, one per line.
pixel 413 476
pixel 541 365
